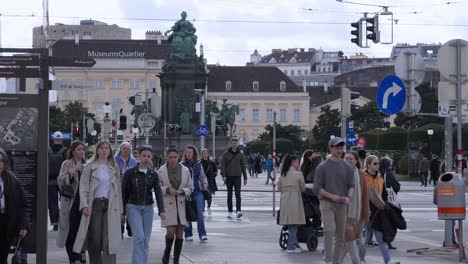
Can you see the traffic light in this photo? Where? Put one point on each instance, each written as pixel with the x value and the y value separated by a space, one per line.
pixel 373 28
pixel 357 32
pixel 76 132
pixel 123 122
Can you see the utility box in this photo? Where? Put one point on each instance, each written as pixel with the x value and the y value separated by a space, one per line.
pixel 451 197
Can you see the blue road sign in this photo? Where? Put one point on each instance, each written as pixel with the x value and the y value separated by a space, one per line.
pixel 391 95
pixel 202 131
pixel 352 140
pixel 66 135
pixel 350 126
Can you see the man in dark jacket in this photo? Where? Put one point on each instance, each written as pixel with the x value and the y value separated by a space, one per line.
pixel 57 154
pixel 434 166
pixel 232 168
pixel 13 220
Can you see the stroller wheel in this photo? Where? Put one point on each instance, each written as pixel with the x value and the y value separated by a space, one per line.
pixel 283 240
pixel 312 242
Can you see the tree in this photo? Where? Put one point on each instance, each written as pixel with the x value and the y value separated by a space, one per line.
pixel 56 120
pixel 369 117
pixel 291 132
pixel 328 123
pixel 429 105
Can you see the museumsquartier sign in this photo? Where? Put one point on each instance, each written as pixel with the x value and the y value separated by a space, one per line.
pixel 116 54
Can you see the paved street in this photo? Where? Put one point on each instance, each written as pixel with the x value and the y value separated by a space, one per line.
pixel 254 239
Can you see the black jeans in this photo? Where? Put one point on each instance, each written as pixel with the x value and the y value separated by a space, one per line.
pixel 5 242
pixel 53 204
pixel 423 176
pixel 234 181
pixel 75 219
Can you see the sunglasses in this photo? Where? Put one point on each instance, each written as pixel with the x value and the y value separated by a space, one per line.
pixel 375 163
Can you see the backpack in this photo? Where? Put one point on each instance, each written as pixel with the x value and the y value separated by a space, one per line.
pixel 55 162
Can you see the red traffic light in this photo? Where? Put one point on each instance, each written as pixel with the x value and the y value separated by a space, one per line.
pixel 77 129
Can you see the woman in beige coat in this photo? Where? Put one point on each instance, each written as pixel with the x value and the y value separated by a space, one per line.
pixel 101 206
pixel 176 184
pixel 70 215
pixel 291 185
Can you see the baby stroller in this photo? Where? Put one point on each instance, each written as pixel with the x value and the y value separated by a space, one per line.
pixel 312 230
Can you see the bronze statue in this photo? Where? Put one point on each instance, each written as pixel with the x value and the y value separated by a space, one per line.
pixel 228 117
pixel 183 39
pixel 186 121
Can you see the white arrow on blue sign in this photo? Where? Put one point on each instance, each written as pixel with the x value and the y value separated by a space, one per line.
pixel 352 140
pixel 391 95
pixel 202 131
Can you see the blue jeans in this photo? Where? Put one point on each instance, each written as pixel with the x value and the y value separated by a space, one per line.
pixel 199 199
pixel 53 202
pixel 292 238
pixel 382 246
pixel 140 218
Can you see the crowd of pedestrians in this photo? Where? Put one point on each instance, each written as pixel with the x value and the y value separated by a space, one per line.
pixel 103 197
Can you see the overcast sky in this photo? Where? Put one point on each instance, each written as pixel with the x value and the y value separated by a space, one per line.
pixel 232 43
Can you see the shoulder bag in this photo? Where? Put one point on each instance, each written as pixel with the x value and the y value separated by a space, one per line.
pixel 391 194
pixel 190 209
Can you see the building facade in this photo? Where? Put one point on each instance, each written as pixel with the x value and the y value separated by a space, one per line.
pixel 259 92
pixel 123 69
pixel 86 30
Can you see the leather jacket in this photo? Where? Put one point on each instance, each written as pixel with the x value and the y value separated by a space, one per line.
pixel 137 188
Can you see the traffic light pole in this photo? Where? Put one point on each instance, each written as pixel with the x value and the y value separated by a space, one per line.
pixel 344 106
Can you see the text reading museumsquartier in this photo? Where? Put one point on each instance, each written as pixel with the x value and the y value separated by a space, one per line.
pixel 121 54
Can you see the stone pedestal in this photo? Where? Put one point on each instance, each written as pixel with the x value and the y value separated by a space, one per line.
pixel 178 82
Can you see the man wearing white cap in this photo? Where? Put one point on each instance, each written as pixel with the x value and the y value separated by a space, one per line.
pixel 57 154
pixel 334 183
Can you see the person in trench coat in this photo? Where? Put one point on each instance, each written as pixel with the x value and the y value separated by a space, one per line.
pixel 70 215
pixel 291 185
pixel 89 184
pixel 174 202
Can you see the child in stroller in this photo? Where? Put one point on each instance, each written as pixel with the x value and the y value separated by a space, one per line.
pixel 309 232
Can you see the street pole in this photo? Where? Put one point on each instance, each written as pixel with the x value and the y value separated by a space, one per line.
pixel 71 132
pixel 165 136
pixel 274 164
pixel 116 145
pixel 344 107
pixel 448 167
pixel 213 133
pixel 459 46
pixel 85 130
pixel 202 119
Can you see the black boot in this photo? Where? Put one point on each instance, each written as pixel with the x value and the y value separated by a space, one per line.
pixel 177 249
pixel 167 251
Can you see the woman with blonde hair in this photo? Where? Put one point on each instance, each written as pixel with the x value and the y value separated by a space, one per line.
pixel 101 206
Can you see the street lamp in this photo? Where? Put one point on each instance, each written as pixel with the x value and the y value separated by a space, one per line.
pixel 202 114
pixel 430 133
pixel 135 131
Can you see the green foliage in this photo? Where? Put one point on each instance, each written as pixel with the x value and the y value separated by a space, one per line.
pixel 283 146
pixel 403 164
pixel 429 105
pixel 372 138
pixel 437 140
pixel 257 147
pixel 328 123
pixel 369 117
pixel 290 132
pixel 394 138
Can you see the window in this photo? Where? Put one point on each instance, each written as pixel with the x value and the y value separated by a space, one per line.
pixel 292 72
pixel 299 72
pixel 306 72
pixel 282 115
pixel 117 84
pixel 269 115
pixel 256 86
pixel 297 115
pixel 152 84
pixel 286 72
pixel 228 86
pixel 282 86
pixel 134 84
pixel 256 115
pixel 99 84
pixel 242 114
pixel 319 69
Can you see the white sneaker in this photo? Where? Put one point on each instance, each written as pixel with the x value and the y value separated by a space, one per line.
pixel 239 214
pixel 229 215
pixel 293 251
pixel 299 249
pixel 189 238
pixel 204 239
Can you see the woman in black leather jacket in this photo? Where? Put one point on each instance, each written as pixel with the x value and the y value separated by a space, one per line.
pixel 137 187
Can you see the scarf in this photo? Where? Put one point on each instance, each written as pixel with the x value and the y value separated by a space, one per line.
pixel 354 209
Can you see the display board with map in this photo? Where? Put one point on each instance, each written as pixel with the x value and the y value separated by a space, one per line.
pixel 18 128
pixel 19 138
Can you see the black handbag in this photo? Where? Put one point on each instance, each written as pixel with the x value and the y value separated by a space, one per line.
pixel 207 195
pixel 67 191
pixel 190 210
